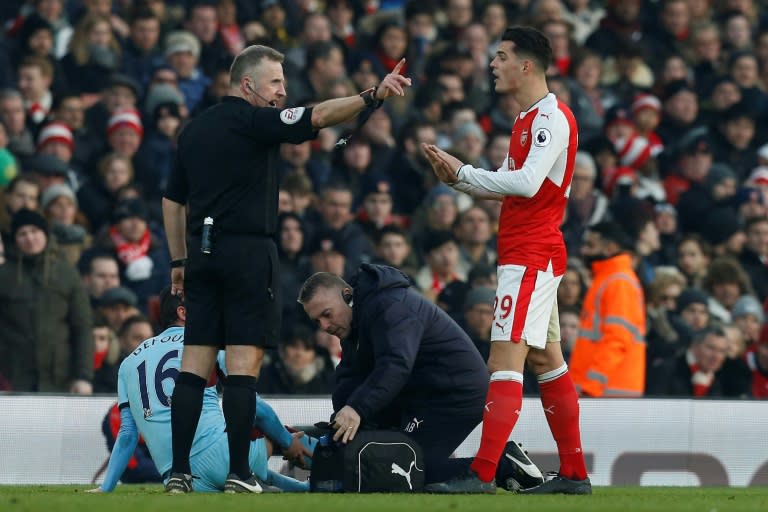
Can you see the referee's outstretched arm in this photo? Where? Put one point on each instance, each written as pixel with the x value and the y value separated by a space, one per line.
pixel 339 110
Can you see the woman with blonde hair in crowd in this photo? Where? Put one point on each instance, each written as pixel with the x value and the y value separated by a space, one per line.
pixel 94 54
pixel 663 339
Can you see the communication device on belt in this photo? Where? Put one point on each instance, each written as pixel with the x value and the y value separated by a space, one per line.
pixel 206 244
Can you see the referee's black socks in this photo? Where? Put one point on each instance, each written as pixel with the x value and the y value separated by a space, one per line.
pixel 186 405
pixel 239 404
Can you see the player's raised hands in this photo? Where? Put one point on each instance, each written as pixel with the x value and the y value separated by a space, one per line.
pixel 394 84
pixel 443 164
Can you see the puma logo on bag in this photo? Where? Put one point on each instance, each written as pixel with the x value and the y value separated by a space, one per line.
pixel 397 470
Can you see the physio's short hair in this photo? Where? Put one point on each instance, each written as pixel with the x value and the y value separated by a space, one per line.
pixel 530 43
pixel 317 281
pixel 250 58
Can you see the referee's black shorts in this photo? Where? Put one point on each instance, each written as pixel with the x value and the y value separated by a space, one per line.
pixel 232 295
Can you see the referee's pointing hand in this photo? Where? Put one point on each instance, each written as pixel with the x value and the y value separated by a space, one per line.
pixel 394 84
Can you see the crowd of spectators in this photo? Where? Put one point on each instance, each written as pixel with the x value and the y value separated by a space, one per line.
pixel 670 97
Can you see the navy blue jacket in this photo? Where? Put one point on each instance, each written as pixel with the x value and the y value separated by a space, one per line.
pixel 404 353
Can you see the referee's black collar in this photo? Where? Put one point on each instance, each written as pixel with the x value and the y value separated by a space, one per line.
pixel 234 99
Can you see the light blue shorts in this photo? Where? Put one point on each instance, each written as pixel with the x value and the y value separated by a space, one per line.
pixel 212 464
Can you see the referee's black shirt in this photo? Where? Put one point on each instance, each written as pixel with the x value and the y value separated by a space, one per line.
pixel 225 165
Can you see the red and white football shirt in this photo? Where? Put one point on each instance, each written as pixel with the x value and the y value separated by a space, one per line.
pixel 536 180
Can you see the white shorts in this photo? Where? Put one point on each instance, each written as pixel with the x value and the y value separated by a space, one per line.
pixel 525 308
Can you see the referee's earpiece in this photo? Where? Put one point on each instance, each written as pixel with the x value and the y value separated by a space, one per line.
pixel 271 103
pixel 347 298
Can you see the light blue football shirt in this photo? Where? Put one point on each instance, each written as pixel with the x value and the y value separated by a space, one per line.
pixel 145 382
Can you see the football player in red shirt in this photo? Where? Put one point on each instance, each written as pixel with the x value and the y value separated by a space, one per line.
pixel 533 184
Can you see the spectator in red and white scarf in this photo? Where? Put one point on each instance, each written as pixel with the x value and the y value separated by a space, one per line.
pixel 141 252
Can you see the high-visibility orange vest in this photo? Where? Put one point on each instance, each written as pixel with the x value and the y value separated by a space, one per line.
pixel 608 358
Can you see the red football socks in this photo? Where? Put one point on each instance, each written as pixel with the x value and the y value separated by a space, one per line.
pixel 502 409
pixel 561 407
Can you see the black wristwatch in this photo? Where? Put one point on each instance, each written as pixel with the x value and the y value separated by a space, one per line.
pixel 178 263
pixel 369 97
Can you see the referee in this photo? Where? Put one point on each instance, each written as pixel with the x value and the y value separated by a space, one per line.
pixel 225 178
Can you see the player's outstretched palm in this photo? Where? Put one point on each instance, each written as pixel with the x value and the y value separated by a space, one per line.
pixel 443 164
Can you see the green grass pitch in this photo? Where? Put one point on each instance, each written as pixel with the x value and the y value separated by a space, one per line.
pixel 142 498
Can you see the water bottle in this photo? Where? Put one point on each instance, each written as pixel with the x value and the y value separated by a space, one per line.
pixel 206 244
pixel 325 476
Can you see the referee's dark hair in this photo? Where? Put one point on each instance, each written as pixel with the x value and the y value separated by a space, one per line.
pixel 169 305
pixel 249 59
pixel 320 280
pixel 530 43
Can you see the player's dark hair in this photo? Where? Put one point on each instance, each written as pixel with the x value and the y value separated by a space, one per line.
pixel 530 43
pixel 168 305
pixel 317 281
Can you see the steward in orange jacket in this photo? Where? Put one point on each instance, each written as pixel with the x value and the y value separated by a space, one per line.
pixel 608 358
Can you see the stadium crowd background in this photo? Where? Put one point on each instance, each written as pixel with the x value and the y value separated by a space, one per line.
pixel 669 97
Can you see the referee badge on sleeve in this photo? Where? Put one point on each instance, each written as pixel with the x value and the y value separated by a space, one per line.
pixel 291 115
pixel 542 138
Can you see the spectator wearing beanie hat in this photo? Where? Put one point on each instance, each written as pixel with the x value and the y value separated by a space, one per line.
pixel 164 93
pixel 722 229
pixel 159 146
pixel 636 153
pixel 56 139
pixel 692 312
pixel 59 204
pixel 748 316
pixel 716 191
pixel 375 212
pixel 618 124
pixel 182 51
pixel 762 155
pixel 125 132
pixel 50 348
pixel 680 107
pixel 646 115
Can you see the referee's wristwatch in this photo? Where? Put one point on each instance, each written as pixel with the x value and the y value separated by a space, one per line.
pixel 369 97
pixel 178 263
